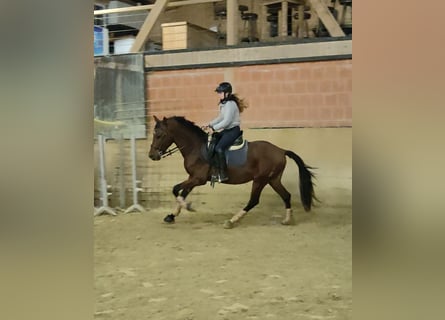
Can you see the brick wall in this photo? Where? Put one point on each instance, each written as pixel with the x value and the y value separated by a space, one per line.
pixel 305 94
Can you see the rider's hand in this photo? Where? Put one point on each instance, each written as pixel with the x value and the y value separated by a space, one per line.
pixel 208 129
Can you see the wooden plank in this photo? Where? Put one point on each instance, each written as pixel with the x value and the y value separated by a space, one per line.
pixel 296 2
pixel 174 35
pixel 151 6
pixel 124 9
pixel 149 22
pixel 327 18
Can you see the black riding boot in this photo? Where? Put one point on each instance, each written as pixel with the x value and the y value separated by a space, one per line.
pixel 222 166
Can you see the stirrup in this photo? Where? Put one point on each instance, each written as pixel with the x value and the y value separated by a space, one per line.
pixel 224 178
pixel 213 179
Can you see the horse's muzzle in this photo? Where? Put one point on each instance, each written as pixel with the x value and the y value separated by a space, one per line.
pixel 156 155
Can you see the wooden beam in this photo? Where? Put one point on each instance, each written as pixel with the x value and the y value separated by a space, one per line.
pixel 290 2
pixel 149 22
pixel 327 18
pixel 279 53
pixel 123 9
pixel 151 6
pixel 232 22
pixel 264 26
pixel 301 22
pixel 283 27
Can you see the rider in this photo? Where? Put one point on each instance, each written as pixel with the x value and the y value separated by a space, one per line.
pixel 227 123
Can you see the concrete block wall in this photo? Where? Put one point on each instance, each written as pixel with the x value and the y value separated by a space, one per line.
pixel 327 149
pixel 301 94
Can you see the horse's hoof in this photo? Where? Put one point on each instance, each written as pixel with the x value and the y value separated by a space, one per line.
pixel 287 222
pixel 188 207
pixel 170 218
pixel 228 224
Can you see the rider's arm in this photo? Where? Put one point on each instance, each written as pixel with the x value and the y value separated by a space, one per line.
pixel 229 112
pixel 219 118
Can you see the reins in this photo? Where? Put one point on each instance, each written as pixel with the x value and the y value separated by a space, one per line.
pixel 169 152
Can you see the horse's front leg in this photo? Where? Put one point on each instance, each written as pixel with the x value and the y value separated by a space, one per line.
pixel 181 191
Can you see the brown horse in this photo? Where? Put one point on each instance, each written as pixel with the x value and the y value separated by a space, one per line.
pixel 265 165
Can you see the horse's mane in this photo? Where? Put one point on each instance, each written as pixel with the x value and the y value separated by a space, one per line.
pixel 192 126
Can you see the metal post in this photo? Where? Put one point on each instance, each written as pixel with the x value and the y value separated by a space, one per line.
pixel 121 171
pixel 103 182
pixel 136 189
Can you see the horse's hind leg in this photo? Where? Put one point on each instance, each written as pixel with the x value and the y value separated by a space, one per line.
pixel 285 195
pixel 257 186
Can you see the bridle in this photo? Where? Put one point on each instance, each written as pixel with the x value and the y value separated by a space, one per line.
pixel 169 152
pixel 162 135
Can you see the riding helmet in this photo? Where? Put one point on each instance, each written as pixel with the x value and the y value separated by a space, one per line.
pixel 224 87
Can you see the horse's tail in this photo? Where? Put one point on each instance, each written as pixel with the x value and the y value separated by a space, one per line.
pixel 307 193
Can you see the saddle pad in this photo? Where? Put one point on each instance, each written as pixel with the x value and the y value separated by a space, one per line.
pixel 237 157
pixel 234 157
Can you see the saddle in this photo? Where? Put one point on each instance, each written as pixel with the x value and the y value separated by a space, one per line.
pixel 213 140
pixel 235 155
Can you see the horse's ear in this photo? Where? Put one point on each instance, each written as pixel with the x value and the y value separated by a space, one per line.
pixel 156 119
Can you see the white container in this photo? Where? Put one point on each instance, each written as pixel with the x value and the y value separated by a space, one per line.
pixel 123 45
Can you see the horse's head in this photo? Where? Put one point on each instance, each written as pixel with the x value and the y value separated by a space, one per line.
pixel 162 139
